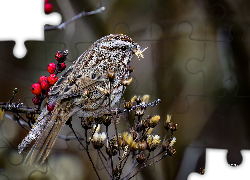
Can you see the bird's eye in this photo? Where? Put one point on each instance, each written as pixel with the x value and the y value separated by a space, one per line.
pixel 123 48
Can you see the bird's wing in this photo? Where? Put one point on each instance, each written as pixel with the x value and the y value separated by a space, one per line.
pixel 46 140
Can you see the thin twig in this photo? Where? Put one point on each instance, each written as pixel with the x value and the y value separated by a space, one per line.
pixel 87 150
pixel 144 166
pixel 103 163
pixel 70 125
pixel 83 13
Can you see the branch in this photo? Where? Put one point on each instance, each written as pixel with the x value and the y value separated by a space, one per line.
pixel 83 13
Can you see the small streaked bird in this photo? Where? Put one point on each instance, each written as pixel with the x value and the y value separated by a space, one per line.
pixel 84 90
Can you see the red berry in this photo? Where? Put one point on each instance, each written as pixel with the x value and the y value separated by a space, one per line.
pixel 46 1
pixel 37 100
pixel 45 85
pixel 50 106
pixel 36 89
pixel 63 66
pixel 51 68
pixel 42 78
pixel 52 79
pixel 59 56
pixel 47 92
pixel 48 8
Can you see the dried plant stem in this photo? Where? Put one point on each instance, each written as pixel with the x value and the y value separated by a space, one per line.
pixel 83 13
pixel 144 166
pixel 103 163
pixel 87 150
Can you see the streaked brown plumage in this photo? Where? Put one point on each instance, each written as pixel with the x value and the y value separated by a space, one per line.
pixel 82 91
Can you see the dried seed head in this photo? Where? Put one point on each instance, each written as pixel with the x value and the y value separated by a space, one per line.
pixel 149 131
pixel 98 140
pixel 171 151
pixel 128 138
pixel 134 146
pixel 168 146
pixel 154 121
pixel 140 158
pixel 95 128
pixel 170 126
pixel 122 142
pixel 142 145
pixel 134 133
pixel 133 99
pixel 168 118
pixel 127 82
pixel 107 121
pixel 138 99
pixel 152 142
pixel 172 141
pixel 131 70
pixel 128 105
pixel 145 98
pixel 139 112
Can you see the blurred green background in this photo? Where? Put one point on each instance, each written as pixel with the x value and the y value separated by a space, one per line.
pixel 197 63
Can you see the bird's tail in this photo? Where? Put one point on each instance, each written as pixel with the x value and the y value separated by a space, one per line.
pixel 45 131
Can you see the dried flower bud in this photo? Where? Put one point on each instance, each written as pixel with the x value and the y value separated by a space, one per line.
pixel 152 142
pixel 98 140
pixel 172 141
pixel 165 144
pixel 142 145
pixel 133 99
pixel 122 142
pixel 112 147
pixel 145 123
pixel 111 75
pixel 145 98
pixel 131 70
pixel 128 137
pixel 87 122
pixel 138 99
pixel 128 105
pixel 140 158
pixel 168 146
pixel 168 118
pixel 149 131
pixel 171 151
pixel 134 146
pixel 107 121
pixel 127 82
pixel 134 133
pixel 139 112
pixel 95 128
pixel 170 126
pixel 154 121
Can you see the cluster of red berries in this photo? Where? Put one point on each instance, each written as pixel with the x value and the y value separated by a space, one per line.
pixel 42 88
pixel 47 7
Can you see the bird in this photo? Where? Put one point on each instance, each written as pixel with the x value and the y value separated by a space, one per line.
pixel 92 85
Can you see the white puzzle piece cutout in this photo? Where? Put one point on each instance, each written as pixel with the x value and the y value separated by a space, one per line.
pixel 217 167
pixel 24 20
